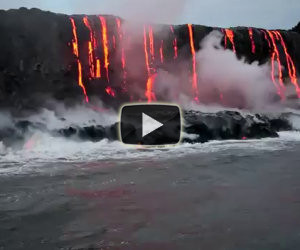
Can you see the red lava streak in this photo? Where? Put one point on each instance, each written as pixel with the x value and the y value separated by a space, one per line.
pixel 290 64
pixel 76 53
pixel 123 59
pixel 230 35
pixel 276 56
pixel 149 93
pixel 110 91
pixel 91 46
pixel 161 51
pixel 146 51
pixel 225 39
pixel 195 76
pixel 174 43
pixel 151 77
pixel 105 45
pixel 151 40
pixel 252 40
pixel 98 69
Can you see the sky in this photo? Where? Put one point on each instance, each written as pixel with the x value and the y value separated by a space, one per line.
pixel 271 14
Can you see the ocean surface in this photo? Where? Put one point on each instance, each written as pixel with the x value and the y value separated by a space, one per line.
pixel 59 194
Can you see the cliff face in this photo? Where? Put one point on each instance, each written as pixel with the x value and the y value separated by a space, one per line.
pixel 84 58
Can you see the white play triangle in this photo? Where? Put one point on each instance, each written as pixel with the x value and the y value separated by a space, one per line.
pixel 150 124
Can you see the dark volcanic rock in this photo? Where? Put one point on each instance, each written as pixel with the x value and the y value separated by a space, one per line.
pixel 231 125
pixel 199 127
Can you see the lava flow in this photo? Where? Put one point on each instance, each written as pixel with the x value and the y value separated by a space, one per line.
pixel 151 41
pixel 105 45
pixel 174 43
pixel 290 63
pixel 76 53
pixel 225 38
pixel 91 46
pixel 110 91
pixel 123 59
pixel 98 69
pixel 252 40
pixel 195 76
pixel 161 51
pixel 151 77
pixel 276 56
pixel 230 35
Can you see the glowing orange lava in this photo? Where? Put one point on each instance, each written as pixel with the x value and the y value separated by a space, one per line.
pixel 161 51
pixel 149 93
pixel 146 52
pixel 151 77
pixel 174 43
pixel 91 46
pixel 276 56
pixel 195 76
pixel 252 40
pixel 76 53
pixel 110 91
pixel 230 35
pixel 266 38
pixel 225 39
pixel 105 45
pixel 151 41
pixel 290 63
pixel 98 69
pixel 123 59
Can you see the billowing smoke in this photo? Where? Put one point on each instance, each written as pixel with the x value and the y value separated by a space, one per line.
pixel 236 82
pixel 222 79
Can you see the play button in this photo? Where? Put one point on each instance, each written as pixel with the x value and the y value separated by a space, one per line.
pixel 150 124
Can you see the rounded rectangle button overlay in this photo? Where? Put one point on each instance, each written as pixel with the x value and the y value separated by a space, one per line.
pixel 150 124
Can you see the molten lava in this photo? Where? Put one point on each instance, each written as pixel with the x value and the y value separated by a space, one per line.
pixel 151 77
pixel 225 39
pixel 123 59
pixel 151 41
pixel 76 53
pixel 230 35
pixel 105 45
pixel 110 91
pixel 267 38
pixel 91 46
pixel 174 43
pixel 276 56
pixel 146 52
pixel 195 76
pixel 290 63
pixel 252 40
pixel 161 51
pixel 98 69
pixel 149 93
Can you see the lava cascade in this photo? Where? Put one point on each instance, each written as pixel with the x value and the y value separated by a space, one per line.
pixel 275 41
pixel 151 76
pixel 110 91
pixel 290 63
pixel 229 34
pixel 76 53
pixel 250 30
pixel 92 44
pixel 105 45
pixel 276 56
pixel 174 43
pixel 123 58
pixel 193 52
pixel 161 51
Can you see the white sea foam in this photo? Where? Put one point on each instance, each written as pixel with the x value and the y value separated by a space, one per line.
pixel 48 149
